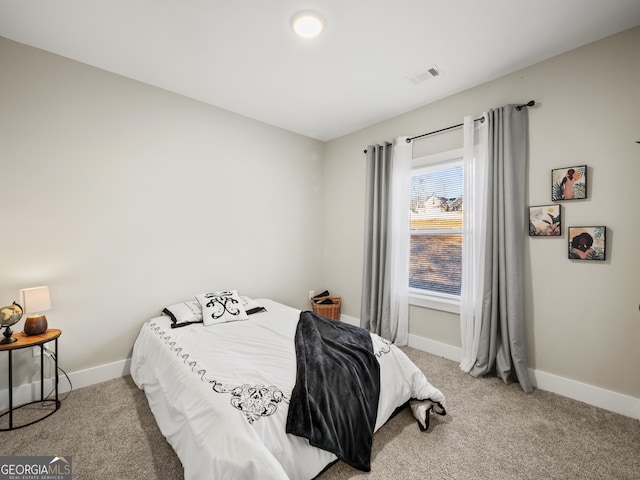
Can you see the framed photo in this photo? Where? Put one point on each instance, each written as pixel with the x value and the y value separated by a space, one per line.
pixel 569 183
pixel 544 221
pixel 587 243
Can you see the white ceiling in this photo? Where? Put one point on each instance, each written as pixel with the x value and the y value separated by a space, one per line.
pixel 241 55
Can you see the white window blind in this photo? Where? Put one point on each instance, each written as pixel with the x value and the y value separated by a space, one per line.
pixel 435 224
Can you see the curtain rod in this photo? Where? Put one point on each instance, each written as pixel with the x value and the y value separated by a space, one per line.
pixel 481 119
pixel 530 103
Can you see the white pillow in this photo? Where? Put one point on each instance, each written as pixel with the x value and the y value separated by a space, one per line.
pixel 184 313
pixel 221 307
pixel 251 306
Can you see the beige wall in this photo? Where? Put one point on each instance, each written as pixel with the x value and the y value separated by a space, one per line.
pixel 122 197
pixel 583 321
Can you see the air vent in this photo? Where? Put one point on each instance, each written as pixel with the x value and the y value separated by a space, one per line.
pixel 431 72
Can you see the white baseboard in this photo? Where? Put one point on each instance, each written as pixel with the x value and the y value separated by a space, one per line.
pixel 598 397
pixel 436 348
pixel 29 392
pixel 350 320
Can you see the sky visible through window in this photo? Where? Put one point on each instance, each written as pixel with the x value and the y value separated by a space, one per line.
pixel 444 182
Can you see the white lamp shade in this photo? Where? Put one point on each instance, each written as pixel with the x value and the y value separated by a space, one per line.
pixel 36 299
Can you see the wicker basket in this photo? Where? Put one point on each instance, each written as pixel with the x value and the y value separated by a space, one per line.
pixel 329 310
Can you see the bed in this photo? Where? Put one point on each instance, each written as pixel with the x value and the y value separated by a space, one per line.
pixel 222 394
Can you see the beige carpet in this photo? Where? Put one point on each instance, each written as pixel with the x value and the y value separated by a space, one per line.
pixel 492 431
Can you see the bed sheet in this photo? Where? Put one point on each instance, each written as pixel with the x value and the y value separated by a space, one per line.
pixel 220 394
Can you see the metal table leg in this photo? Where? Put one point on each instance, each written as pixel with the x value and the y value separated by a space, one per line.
pixel 10 392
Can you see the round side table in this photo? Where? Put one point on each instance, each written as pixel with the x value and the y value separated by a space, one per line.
pixel 27 341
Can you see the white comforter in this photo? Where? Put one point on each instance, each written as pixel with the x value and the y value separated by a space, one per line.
pixel 220 394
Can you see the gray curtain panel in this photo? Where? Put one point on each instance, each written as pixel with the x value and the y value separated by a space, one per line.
pixel 375 312
pixel 502 348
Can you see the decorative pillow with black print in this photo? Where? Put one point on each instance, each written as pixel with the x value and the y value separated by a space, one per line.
pixel 221 307
pixel 184 313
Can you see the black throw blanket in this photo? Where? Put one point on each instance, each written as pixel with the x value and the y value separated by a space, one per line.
pixel 334 403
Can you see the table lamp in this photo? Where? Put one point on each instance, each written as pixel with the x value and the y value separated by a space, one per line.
pixel 34 301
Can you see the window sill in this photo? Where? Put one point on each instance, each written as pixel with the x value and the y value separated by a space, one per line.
pixel 433 302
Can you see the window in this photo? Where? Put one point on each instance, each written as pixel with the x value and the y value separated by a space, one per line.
pixel 435 227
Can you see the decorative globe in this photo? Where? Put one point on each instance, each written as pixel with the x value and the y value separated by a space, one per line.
pixel 9 315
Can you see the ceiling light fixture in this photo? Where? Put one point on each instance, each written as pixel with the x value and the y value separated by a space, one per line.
pixel 307 24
